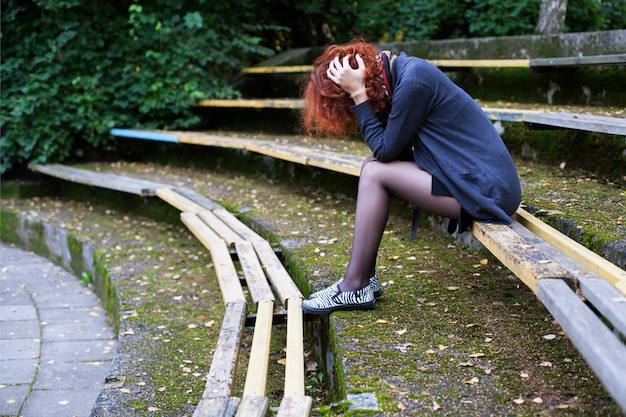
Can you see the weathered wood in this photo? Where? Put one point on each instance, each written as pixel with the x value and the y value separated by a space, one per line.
pixel 256 378
pixel 603 296
pixel 572 249
pixel 217 407
pixel 604 353
pixel 253 406
pixel 258 286
pixel 480 63
pixel 577 121
pixel 577 61
pixel 294 370
pixel 276 272
pixel 227 276
pixel 100 179
pixel 224 363
pixel 237 226
pixel 198 138
pixel 295 405
pixel 177 200
pixel 253 103
pixel 222 229
pixel 199 199
pixel 517 254
pixel 607 300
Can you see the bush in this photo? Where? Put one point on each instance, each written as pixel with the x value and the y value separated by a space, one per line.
pixel 72 69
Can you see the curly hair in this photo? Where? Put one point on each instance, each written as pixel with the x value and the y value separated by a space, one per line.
pixel 327 107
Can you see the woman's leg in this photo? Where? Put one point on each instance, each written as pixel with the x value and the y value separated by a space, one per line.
pixel 378 182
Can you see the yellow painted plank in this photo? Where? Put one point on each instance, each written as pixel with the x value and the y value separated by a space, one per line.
pixel 294 370
pixel 256 378
pixel 276 272
pixel 574 250
pixel 253 104
pixel 227 276
pixel 523 259
pixel 278 69
pixel 258 286
pixel 222 229
pixel 175 199
pixel 198 138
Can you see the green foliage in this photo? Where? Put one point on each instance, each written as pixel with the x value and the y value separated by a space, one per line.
pixel 72 69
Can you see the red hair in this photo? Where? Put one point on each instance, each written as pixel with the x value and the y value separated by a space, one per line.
pixel 327 107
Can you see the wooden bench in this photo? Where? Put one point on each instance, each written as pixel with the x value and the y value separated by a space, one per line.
pixel 556 62
pixel 219 231
pixel 571 281
pixel 537 118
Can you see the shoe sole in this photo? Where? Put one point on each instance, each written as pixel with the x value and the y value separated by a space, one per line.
pixel 350 307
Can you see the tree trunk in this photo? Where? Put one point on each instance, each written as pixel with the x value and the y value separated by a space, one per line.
pixel 551 17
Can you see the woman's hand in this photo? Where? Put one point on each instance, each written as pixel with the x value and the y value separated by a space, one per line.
pixel 351 80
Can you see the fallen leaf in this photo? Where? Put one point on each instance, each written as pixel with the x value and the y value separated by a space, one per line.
pixel 472 381
pixel 381 321
pixel 549 336
pixel 484 261
pixel 519 400
pixel 282 361
pixel 523 375
pixel 125 390
pixel 546 364
pixel 436 406
pixel 442 347
pixel 471 325
pixel 453 288
pixel 477 355
pixel 209 323
pixel 488 340
pixel 537 400
pixel 64 402
pixel 162 389
pixel 153 409
pixel 401 332
pixel 192 326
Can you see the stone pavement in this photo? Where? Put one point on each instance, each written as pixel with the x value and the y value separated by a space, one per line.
pixel 56 347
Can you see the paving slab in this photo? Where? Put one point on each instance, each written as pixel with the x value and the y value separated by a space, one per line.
pixel 56 346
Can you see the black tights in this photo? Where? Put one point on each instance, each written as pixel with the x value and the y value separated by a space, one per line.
pixel 379 181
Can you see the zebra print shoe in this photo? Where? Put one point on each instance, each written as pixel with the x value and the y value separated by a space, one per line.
pixel 332 289
pixel 336 300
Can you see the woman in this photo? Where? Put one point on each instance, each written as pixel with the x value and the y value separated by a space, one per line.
pixel 432 146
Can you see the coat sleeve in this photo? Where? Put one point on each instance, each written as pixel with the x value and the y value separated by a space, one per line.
pixel 409 110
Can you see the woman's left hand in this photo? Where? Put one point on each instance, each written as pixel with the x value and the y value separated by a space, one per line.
pixel 351 80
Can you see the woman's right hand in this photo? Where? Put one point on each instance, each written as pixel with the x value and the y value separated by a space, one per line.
pixel 351 80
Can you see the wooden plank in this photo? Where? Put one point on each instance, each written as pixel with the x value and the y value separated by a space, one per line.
pixel 279 69
pixel 253 406
pixel 145 134
pixel 199 199
pixel 256 378
pixel 177 200
pixel 604 353
pixel 603 296
pixel 578 121
pixel 572 249
pixel 258 286
pixel 254 103
pixel 227 276
pixel 197 138
pixel 607 300
pixel 217 407
pixel 576 61
pixel 480 63
pixel 294 370
pixel 224 363
pixel 276 272
pixel 295 405
pixel 236 225
pixel 523 259
pixel 222 229
pixel 100 179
